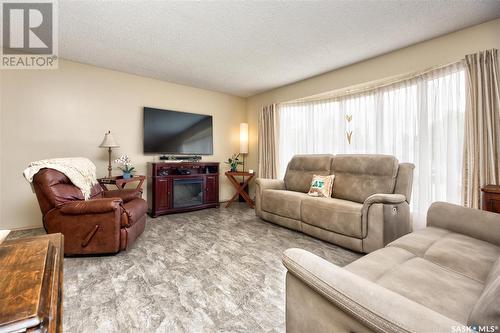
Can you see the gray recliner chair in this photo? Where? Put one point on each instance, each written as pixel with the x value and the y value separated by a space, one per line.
pixel 443 278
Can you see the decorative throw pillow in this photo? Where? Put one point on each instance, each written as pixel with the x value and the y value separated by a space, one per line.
pixel 321 186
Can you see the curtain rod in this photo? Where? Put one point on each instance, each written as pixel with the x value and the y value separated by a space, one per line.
pixel 363 87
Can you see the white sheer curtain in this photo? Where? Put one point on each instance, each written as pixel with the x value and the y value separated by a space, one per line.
pixel 419 120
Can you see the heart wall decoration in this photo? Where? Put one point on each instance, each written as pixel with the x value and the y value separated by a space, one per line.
pixel 348 118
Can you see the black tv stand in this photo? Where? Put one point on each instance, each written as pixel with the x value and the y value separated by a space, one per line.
pixel 192 158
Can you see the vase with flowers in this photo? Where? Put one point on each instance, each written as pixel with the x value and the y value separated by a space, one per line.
pixel 233 162
pixel 126 166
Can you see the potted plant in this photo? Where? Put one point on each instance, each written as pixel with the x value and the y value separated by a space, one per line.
pixel 233 162
pixel 126 167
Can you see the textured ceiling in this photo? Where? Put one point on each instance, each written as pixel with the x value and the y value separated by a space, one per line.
pixel 244 48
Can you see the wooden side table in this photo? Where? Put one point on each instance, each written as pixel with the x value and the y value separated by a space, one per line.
pixel 31 284
pixel 491 198
pixel 240 188
pixel 121 182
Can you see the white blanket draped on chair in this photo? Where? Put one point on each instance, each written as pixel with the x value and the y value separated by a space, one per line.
pixel 80 170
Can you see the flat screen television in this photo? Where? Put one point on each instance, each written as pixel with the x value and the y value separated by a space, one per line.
pixel 174 132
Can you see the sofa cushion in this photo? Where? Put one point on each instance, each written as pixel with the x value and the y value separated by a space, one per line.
pixel 283 203
pixel 462 254
pixel 359 176
pixel 438 288
pixel 453 274
pixel 300 171
pixel 374 265
pixel 340 216
pixel 419 241
pixel 444 291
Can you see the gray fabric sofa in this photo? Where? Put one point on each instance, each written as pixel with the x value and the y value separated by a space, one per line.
pixel 369 205
pixel 438 279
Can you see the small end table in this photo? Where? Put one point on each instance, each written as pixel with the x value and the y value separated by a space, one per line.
pixel 121 182
pixel 491 198
pixel 240 188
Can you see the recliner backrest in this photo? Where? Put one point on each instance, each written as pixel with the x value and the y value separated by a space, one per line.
pixel 301 168
pixel 53 188
pixel 359 176
pixel 404 180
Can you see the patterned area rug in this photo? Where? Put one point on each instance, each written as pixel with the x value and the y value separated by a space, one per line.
pixel 205 271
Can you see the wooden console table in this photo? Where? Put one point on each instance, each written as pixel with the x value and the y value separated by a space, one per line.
pixel 31 284
pixel 121 182
pixel 240 188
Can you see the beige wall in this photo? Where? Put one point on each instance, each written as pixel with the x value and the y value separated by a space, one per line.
pixel 65 112
pixel 439 51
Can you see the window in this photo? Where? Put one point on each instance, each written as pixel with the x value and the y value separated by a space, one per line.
pixel 420 120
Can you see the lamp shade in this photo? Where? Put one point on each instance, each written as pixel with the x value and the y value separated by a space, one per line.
pixel 243 138
pixel 109 141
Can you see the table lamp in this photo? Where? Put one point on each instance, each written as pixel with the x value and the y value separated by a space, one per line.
pixel 243 141
pixel 109 142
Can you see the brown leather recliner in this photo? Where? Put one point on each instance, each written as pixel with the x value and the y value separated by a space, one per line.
pixel 108 222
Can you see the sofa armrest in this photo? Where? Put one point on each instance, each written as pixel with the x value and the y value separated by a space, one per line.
pixel 385 199
pixel 96 206
pixel 126 195
pixel 382 198
pixel 270 184
pixel 262 184
pixel 89 227
pixel 385 217
pixel 472 222
pixel 376 307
